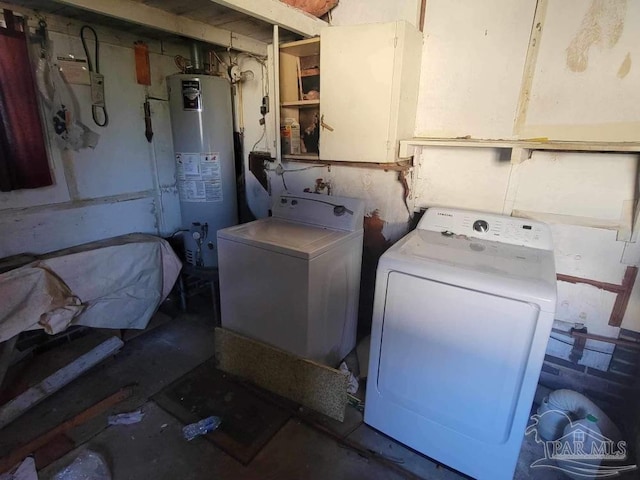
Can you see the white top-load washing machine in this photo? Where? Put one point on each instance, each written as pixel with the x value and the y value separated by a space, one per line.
pixel 293 280
pixel 463 311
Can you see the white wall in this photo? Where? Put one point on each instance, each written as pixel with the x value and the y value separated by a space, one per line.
pixel 473 83
pixel 472 64
pixel 585 82
pixel 126 184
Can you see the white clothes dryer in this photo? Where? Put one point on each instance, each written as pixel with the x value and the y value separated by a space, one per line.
pixel 463 310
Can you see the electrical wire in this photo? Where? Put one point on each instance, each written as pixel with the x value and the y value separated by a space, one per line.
pixel 219 59
pixel 94 107
pixel 284 183
pixel 257 58
pixel 264 131
pixel 336 205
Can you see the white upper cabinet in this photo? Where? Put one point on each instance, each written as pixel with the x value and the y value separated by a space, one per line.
pixel 368 90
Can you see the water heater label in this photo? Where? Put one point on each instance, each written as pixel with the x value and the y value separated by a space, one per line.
pixel 191 95
pixel 199 177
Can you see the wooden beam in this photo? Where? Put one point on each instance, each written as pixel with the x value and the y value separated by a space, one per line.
pixel 532 144
pixel 54 382
pixel 601 338
pixel 607 287
pixel 622 300
pixel 623 292
pixel 401 166
pixel 278 13
pixel 28 448
pixel 152 17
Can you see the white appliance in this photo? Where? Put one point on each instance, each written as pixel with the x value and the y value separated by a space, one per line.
pixel 202 126
pixel 293 280
pixel 463 310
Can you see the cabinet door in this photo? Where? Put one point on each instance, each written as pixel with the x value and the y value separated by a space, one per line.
pixel 356 86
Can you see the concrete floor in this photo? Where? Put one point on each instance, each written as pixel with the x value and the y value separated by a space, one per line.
pixel 155 449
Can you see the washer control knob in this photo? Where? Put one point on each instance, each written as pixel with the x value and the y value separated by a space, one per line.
pixel 481 226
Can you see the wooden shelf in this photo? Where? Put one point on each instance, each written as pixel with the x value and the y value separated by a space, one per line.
pixel 309 72
pixel 302 48
pixel 407 147
pixel 301 104
pixel 311 157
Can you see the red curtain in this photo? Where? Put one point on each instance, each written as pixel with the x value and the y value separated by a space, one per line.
pixel 23 156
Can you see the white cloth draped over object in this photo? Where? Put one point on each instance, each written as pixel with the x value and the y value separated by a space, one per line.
pixel 115 283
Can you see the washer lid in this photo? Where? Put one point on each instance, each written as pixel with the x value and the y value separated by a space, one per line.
pixel 502 269
pixel 290 238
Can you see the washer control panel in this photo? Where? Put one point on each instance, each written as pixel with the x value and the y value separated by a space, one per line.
pixel 488 226
pixel 338 213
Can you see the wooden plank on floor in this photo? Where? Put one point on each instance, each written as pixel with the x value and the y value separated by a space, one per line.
pixel 22 451
pixel 308 383
pixel 27 400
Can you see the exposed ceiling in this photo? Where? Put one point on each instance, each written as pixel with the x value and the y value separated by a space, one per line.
pixel 204 11
pixel 216 15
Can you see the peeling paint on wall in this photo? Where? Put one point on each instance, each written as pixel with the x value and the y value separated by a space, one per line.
pixel 374 244
pixel 373 237
pixel 625 66
pixel 602 25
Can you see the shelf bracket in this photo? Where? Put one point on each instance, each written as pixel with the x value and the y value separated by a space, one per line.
pixel 407 149
pixel 519 155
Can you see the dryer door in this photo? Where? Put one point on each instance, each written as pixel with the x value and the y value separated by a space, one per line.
pixel 456 357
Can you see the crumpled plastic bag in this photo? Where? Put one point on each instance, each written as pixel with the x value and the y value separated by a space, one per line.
pixel 128 418
pixel 88 465
pixel 62 121
pixel 353 384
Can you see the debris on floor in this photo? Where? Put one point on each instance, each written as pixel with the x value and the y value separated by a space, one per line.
pixel 127 418
pixel 352 385
pixel 36 394
pixel 88 465
pixel 53 444
pixel 249 421
pixel 25 471
pixel 204 426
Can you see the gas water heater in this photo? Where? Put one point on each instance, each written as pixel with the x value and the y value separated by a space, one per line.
pixel 202 126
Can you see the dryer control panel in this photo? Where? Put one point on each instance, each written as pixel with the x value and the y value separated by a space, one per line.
pixel 487 226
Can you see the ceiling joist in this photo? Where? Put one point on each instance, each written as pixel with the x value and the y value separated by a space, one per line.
pixel 278 13
pixel 168 22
